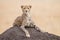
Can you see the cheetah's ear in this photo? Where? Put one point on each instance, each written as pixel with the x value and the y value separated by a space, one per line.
pixel 22 6
pixel 30 6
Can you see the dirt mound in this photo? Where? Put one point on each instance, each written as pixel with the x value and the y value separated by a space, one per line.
pixel 16 33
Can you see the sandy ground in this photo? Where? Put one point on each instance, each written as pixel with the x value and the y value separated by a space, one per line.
pixel 45 14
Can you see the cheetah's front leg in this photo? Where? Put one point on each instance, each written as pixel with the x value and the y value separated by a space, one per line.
pixel 37 28
pixel 33 25
pixel 26 32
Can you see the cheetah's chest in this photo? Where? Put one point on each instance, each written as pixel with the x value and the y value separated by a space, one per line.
pixel 28 22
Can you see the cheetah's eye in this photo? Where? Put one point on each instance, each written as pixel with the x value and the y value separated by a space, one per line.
pixel 24 8
pixel 28 8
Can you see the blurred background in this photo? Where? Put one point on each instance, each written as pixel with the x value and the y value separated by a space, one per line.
pixel 45 14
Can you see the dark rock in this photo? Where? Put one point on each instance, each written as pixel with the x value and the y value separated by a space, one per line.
pixel 16 33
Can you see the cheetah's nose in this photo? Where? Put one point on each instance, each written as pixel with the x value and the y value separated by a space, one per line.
pixel 26 10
